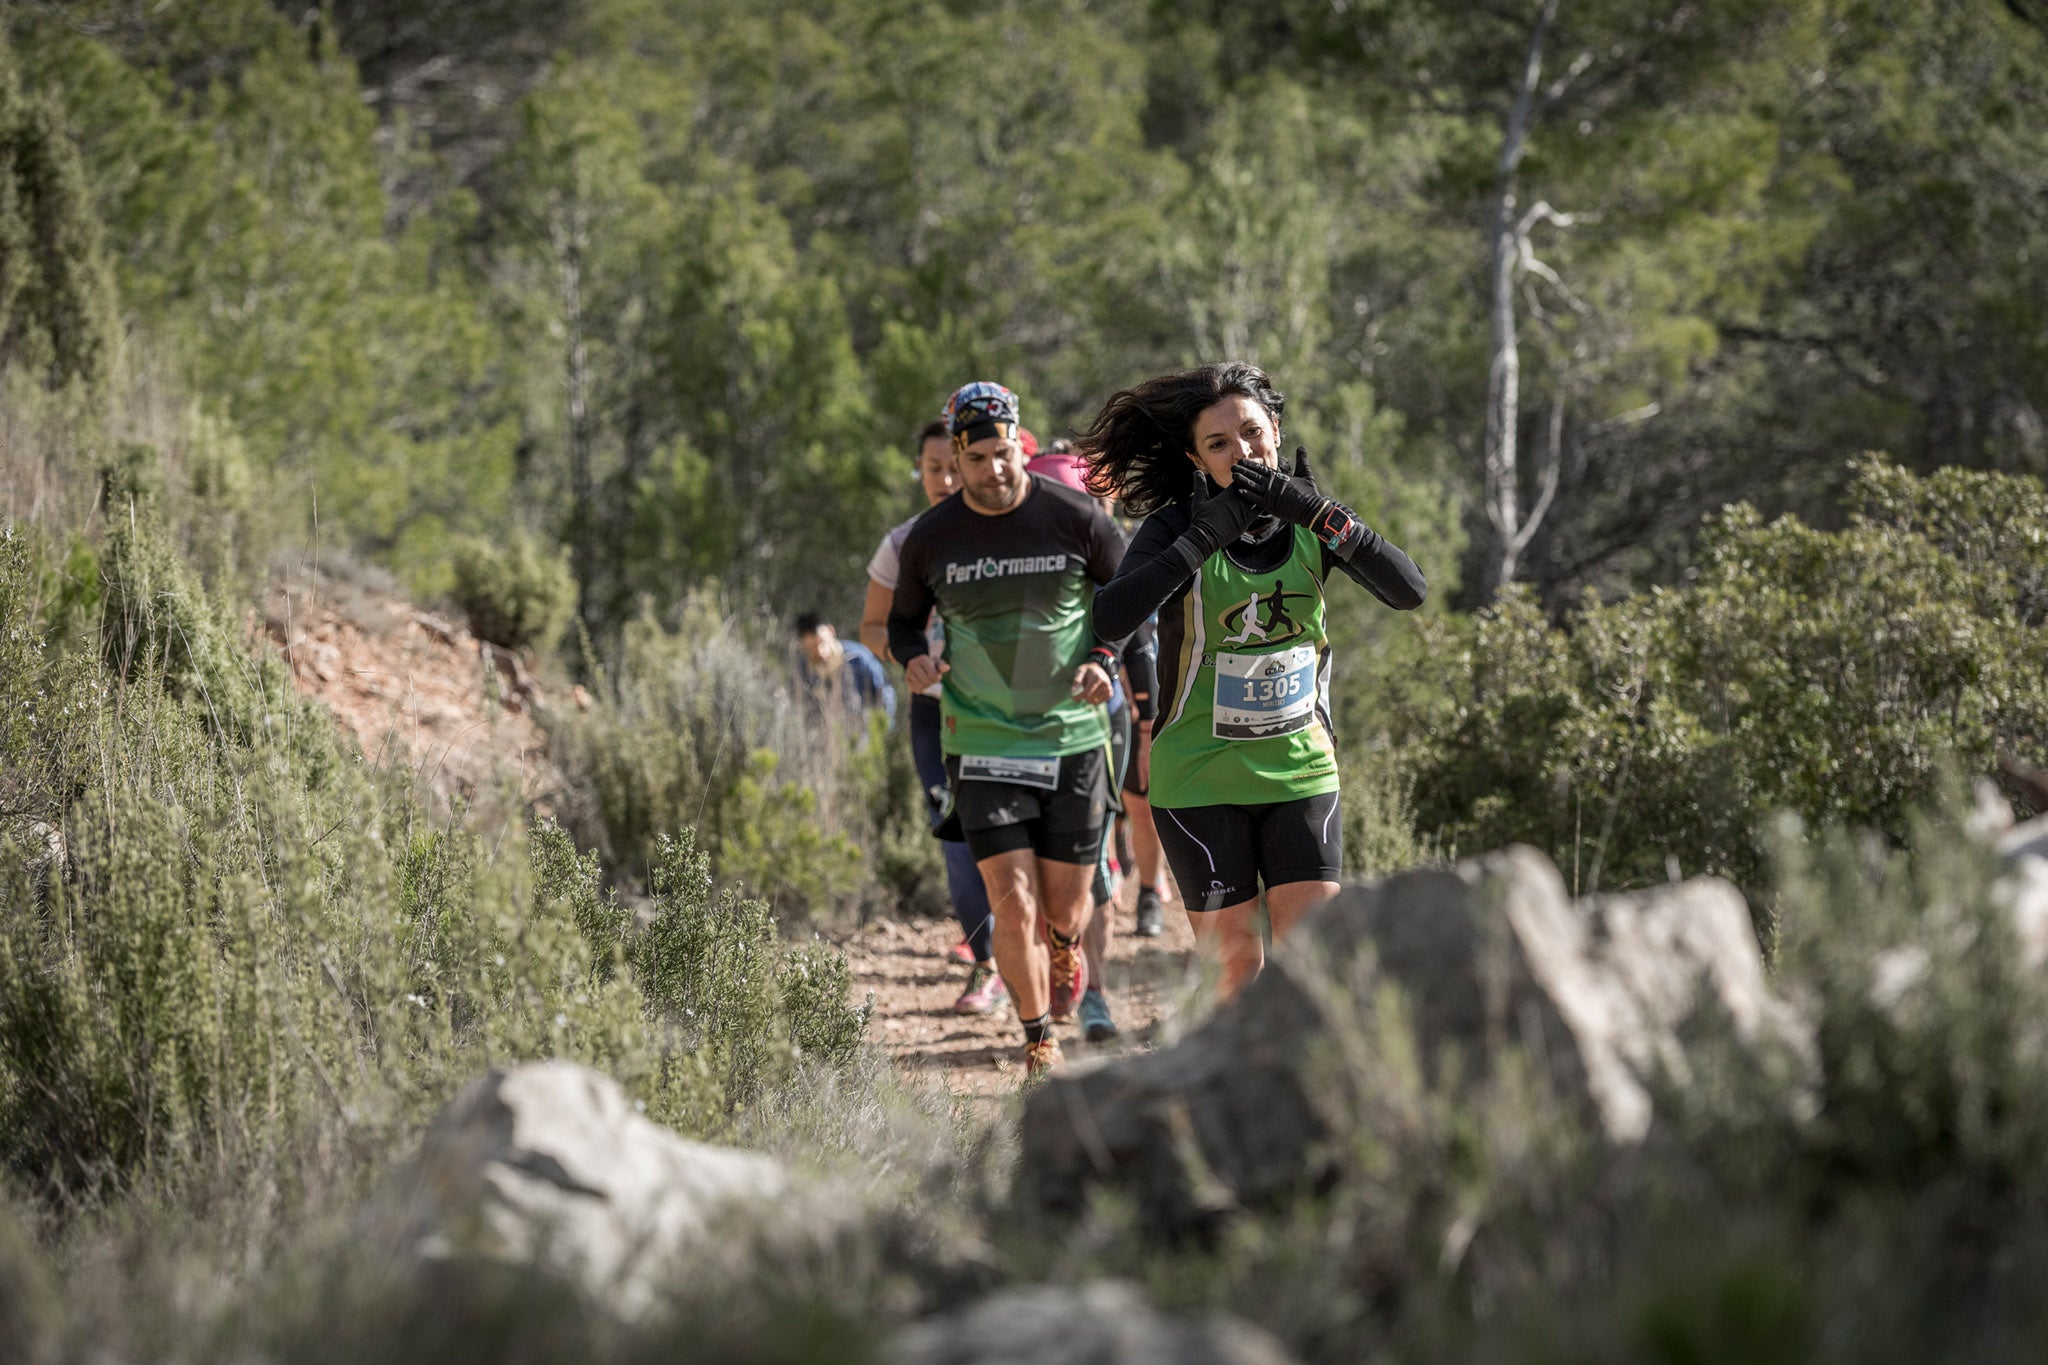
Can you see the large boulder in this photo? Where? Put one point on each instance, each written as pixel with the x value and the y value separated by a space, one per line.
pixel 548 1165
pixel 2025 885
pixel 1103 1322
pixel 1488 960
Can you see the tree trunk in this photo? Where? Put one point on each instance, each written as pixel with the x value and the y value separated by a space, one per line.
pixel 1503 496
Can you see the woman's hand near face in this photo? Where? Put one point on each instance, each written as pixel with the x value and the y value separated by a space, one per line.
pixel 1293 499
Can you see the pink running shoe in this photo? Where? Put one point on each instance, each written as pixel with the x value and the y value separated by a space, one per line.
pixel 961 953
pixel 985 991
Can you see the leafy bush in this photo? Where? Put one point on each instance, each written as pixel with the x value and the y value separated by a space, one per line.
pixel 267 964
pixel 741 1012
pixel 516 592
pixel 1831 674
pixel 1932 1038
pixel 774 843
pixel 160 628
pixel 698 728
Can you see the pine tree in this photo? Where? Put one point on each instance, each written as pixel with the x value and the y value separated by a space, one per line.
pixel 58 310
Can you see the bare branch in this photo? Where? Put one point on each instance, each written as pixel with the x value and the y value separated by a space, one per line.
pixel 1553 461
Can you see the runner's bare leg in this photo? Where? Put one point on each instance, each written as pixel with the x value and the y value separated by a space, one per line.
pixel 1022 958
pixel 1288 903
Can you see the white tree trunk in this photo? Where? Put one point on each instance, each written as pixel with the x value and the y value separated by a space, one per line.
pixel 1503 498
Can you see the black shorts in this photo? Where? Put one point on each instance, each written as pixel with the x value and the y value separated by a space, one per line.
pixel 1220 854
pixel 1062 824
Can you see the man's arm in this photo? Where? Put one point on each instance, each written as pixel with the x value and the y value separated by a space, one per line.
pixel 909 609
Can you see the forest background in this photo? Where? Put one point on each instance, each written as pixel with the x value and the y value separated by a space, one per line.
pixel 670 284
pixel 656 293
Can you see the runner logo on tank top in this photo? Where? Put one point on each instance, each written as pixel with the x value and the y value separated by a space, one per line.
pixel 1266 618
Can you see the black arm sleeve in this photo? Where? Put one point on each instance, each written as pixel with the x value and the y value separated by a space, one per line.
pixel 1150 572
pixel 912 605
pixel 1379 566
pixel 1105 547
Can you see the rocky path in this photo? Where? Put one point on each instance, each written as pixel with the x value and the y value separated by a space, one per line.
pixel 904 964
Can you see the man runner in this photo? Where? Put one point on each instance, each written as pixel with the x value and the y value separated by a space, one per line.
pixel 1012 562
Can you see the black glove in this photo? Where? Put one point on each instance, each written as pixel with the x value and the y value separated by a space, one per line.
pixel 1218 520
pixel 1299 501
pixel 1295 500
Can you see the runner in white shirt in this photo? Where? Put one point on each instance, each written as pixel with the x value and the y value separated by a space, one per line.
pixel 938 471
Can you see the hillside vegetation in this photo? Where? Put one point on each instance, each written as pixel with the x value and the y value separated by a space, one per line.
pixel 605 325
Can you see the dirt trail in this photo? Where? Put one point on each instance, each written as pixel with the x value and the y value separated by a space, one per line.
pixel 904 964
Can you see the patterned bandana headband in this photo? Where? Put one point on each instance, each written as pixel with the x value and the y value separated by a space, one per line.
pixel 980 410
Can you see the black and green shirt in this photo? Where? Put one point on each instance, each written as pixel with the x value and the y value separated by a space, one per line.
pixel 1017 592
pixel 1244 657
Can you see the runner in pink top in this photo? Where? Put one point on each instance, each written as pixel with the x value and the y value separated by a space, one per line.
pixel 1060 464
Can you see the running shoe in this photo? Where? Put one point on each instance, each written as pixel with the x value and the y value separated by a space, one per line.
pixel 1150 923
pixel 985 991
pixel 961 953
pixel 1096 1025
pixel 1069 976
pixel 1041 1059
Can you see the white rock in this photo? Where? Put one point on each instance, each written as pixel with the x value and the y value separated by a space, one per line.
pixel 548 1164
pixel 1102 1322
pixel 1490 958
pixel 2024 888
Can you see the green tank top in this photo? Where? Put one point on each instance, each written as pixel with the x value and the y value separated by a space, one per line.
pixel 1250 723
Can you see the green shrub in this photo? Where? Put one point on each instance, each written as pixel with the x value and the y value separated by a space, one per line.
pixel 1831 674
pixel 1934 1053
pixel 739 1012
pixel 46 700
pixel 698 728
pixel 268 965
pixel 516 592
pixel 160 624
pixel 775 847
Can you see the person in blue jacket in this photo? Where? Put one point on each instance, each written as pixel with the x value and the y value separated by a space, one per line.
pixel 842 678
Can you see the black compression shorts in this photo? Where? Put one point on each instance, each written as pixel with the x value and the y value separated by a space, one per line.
pixel 1220 854
pixel 1062 824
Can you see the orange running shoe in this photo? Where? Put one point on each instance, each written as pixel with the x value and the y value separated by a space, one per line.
pixel 1042 1059
pixel 1069 974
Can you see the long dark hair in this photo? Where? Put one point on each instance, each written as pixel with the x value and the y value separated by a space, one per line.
pixel 1137 447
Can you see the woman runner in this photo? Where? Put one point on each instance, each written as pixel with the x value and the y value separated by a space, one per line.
pixel 1234 555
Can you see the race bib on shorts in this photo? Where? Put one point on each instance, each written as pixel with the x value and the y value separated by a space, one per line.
pixel 1042 773
pixel 1259 696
